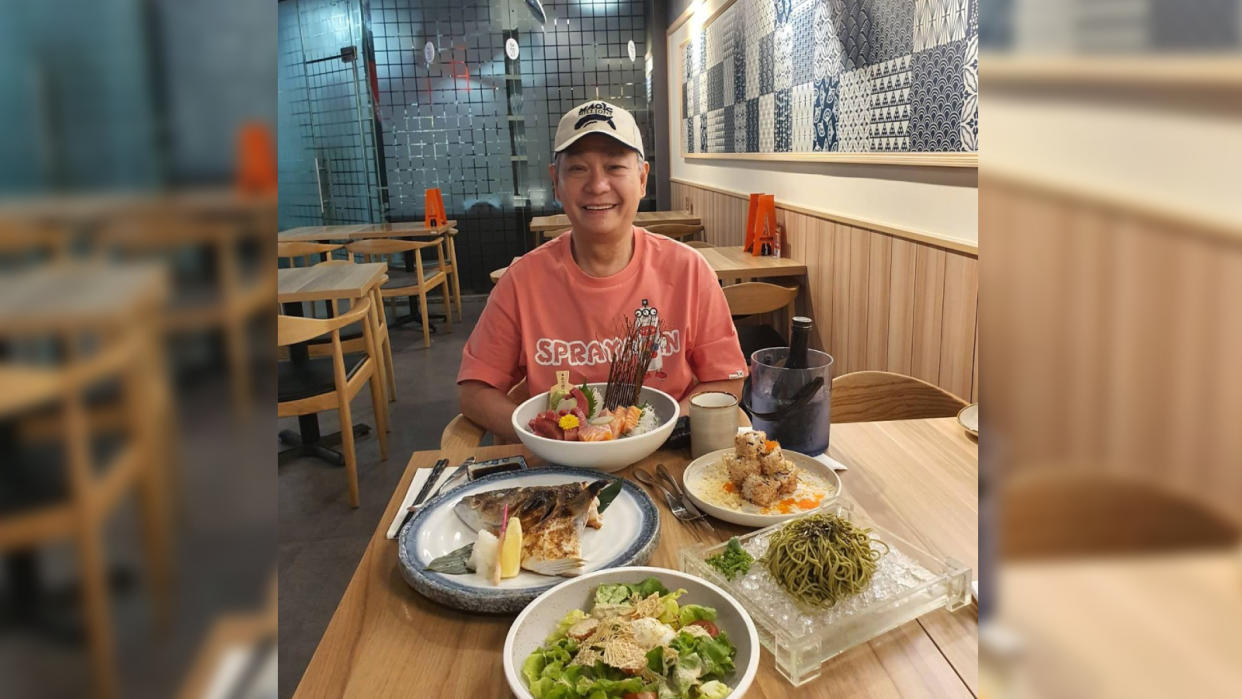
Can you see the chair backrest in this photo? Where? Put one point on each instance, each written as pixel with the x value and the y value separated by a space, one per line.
pixel 389 246
pixel 677 231
pixel 865 396
pixel 749 298
pixel 294 329
pixel 295 250
pixel 461 432
pixel 1059 512
pixel 698 244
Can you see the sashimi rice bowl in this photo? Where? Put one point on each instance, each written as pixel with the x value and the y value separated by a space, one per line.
pixel 574 427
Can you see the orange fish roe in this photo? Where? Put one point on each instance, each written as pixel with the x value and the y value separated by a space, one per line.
pixel 769 445
pixel 729 487
pixel 808 504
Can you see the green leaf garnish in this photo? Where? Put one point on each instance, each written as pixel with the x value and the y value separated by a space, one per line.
pixel 453 562
pixel 607 495
pixel 590 396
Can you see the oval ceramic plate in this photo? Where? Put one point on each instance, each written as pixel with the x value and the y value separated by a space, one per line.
pixel 696 488
pixel 629 535
pixel 969 418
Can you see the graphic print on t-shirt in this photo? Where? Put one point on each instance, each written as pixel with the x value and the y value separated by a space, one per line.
pixel 552 352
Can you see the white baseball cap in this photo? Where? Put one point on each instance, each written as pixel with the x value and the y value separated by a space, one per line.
pixel 598 116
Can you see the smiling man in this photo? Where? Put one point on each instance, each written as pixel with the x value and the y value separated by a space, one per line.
pixel 562 306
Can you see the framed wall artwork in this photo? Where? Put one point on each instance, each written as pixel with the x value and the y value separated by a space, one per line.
pixel 866 81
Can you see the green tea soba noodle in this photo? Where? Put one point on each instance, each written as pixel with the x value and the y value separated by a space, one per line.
pixel 822 559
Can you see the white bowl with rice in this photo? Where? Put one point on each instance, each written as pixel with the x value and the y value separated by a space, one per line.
pixel 706 480
pixel 660 412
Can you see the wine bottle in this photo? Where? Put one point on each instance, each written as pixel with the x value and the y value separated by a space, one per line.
pixel 798 343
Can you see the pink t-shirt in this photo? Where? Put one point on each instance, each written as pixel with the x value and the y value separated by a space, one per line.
pixel 546 314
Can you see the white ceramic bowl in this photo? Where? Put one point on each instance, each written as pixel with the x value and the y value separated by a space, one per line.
pixel 535 622
pixel 609 456
pixel 696 489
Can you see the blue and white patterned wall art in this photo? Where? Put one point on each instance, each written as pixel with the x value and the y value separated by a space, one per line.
pixel 844 76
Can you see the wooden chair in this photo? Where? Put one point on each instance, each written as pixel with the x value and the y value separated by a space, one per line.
pixel 678 231
pixel 355 341
pixel 231 300
pixel 754 298
pixel 325 383
pixel 462 433
pixel 80 486
pixel 418 283
pixel 1062 513
pixel 310 254
pixel 699 244
pixel 868 396
pixel 450 268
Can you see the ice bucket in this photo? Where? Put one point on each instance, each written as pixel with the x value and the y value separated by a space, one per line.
pixel 791 405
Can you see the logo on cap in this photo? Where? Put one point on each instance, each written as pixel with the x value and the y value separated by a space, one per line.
pixel 596 111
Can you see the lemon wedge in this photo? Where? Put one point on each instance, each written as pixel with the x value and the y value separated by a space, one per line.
pixel 511 549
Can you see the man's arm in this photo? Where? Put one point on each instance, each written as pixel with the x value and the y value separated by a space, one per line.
pixel 489 408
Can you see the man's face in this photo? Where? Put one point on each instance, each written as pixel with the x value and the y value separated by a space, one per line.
pixel 600 182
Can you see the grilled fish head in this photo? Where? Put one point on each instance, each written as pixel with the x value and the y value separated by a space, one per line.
pixel 532 505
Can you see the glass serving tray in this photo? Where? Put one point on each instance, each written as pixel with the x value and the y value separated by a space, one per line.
pixel 907 584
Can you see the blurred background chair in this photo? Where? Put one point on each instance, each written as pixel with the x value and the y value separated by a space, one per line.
pixel 1063 513
pixel 319 384
pixel 222 279
pixel 756 298
pixel 678 231
pixel 308 254
pixel 417 283
pixel 867 396
pixel 66 485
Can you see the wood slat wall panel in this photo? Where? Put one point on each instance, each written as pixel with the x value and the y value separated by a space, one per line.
pixel 961 288
pixel 901 306
pixel 928 313
pixel 880 301
pixel 879 287
pixel 1112 341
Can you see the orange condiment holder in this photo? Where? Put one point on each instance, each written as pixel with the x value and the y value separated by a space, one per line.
pixel 761 227
pixel 434 215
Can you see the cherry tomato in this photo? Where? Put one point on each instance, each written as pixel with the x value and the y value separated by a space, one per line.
pixel 640 695
pixel 708 626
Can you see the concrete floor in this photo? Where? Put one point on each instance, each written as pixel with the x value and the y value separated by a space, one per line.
pixel 321 537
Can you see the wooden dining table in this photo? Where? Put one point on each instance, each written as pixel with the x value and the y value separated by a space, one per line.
pixel 729 263
pixel 917 478
pixel 556 222
pixel 297 285
pixel 319 234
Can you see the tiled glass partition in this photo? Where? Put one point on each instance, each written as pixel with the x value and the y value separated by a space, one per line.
pixel 433 82
pixel 327 159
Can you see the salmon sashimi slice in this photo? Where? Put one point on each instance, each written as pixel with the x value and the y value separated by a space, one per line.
pixel 594 433
pixel 632 414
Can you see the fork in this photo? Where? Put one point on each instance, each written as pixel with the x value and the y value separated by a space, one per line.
pixel 674 505
pixel 695 513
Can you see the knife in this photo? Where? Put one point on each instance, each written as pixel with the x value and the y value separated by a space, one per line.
pixel 452 477
pixel 418 499
pixel 685 501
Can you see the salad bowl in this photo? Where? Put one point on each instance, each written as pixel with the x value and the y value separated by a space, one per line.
pixel 541 617
pixel 608 456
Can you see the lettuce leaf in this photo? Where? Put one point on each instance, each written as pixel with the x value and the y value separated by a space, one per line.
pixel 669 609
pixel 620 593
pixel 716 653
pixel 715 689
pixel 694 612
